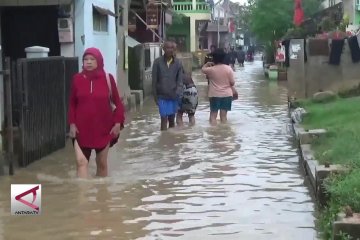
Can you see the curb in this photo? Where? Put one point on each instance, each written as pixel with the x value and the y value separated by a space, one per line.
pixel 317 173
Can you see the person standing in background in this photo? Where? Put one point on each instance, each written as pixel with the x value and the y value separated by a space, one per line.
pixel 241 56
pixel 209 56
pixel 167 84
pixel 221 88
pixel 189 101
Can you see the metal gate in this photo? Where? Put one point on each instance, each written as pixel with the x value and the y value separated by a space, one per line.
pixel 41 91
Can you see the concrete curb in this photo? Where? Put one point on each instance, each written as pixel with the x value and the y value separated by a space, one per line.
pixel 317 174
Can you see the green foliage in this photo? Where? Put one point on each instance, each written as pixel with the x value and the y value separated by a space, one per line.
pixel 311 7
pixel 341 146
pixel 326 219
pixel 178 18
pixel 327 24
pixel 297 32
pixel 270 20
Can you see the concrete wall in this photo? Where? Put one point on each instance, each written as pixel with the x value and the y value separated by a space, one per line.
pixel 194 34
pixel 317 74
pixel 68 49
pixel 105 41
pixel 296 72
pixel 122 72
pixel 349 9
pixel 357 18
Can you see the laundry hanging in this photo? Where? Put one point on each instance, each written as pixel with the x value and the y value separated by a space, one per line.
pixel 354 49
pixel 337 46
pixel 286 43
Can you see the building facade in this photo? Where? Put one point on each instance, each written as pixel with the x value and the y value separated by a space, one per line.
pixel 186 33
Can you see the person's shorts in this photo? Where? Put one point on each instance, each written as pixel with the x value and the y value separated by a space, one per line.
pixel 190 113
pixel 87 151
pixel 220 103
pixel 167 107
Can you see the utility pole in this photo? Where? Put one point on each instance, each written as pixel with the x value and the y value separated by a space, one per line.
pixel 218 29
pixel 218 23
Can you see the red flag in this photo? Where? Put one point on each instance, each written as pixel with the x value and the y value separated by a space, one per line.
pixel 298 14
pixel 231 26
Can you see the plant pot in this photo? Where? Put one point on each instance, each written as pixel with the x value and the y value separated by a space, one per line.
pixel 282 76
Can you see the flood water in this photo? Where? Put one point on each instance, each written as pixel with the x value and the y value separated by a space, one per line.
pixel 235 181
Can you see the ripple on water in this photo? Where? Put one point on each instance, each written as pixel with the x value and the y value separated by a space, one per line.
pixel 234 181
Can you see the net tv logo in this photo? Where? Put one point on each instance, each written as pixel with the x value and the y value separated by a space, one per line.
pixel 25 199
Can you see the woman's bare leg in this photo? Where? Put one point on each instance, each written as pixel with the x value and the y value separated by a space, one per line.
pixel 82 163
pixel 223 116
pixel 179 119
pixel 213 116
pixel 192 120
pixel 102 162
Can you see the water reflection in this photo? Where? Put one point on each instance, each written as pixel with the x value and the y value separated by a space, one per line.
pixel 233 181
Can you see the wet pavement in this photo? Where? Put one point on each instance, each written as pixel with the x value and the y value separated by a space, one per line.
pixel 235 181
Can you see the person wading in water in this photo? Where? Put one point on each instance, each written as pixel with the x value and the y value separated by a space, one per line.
pixel 167 84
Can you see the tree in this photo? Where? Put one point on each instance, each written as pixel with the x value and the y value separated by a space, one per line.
pixel 270 20
pixel 311 7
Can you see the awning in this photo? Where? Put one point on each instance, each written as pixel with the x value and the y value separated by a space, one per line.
pixel 104 11
pixel 130 42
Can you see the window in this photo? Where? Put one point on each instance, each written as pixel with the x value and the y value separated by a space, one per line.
pixel 100 21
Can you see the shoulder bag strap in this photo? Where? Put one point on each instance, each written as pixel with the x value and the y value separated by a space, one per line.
pixel 109 84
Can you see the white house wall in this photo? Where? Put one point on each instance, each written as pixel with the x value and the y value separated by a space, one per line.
pixel 106 42
pixel 2 102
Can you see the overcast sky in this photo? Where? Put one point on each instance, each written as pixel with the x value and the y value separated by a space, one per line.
pixel 239 1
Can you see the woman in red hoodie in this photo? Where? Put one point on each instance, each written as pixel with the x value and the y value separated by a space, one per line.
pixel 94 125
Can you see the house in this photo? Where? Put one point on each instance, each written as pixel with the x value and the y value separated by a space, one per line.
pixel 66 28
pixel 223 22
pixel 330 3
pixel 351 11
pixel 190 17
pixel 147 28
pixel 95 25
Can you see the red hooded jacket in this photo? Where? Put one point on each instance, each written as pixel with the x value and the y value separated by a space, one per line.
pixel 89 105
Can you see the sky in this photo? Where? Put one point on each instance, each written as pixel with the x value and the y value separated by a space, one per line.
pixel 240 1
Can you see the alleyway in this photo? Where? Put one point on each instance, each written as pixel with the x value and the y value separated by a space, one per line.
pixel 235 181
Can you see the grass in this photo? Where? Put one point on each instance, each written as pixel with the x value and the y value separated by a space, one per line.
pixel 341 119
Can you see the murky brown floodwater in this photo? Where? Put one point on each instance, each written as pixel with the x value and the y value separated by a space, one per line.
pixel 235 181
